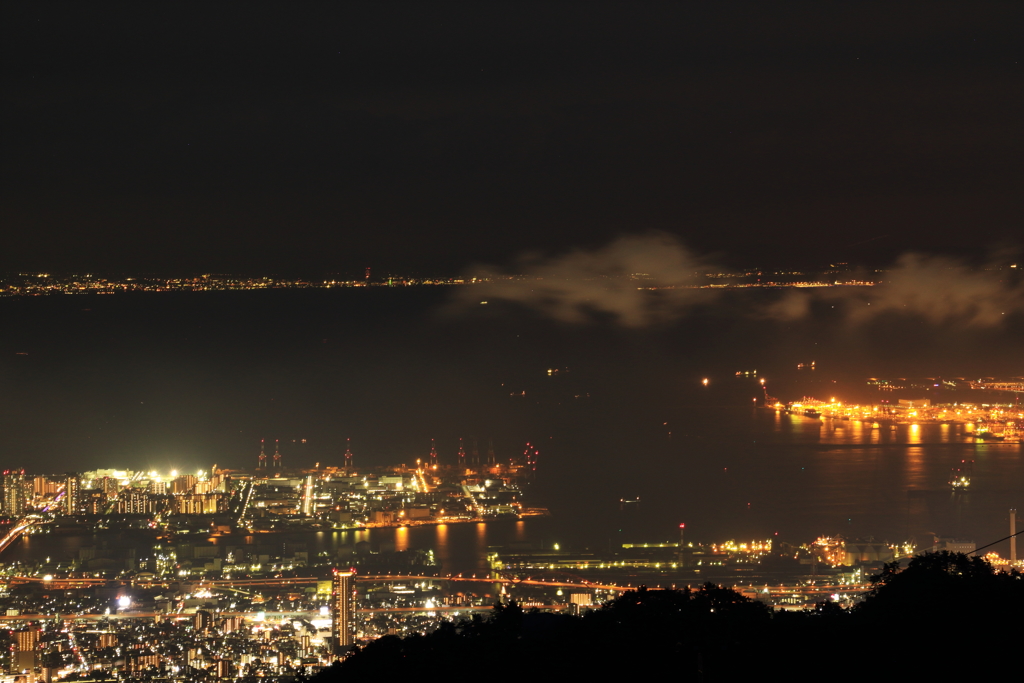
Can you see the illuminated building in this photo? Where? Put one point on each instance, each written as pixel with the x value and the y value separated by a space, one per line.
pixel 136 502
pixel 44 486
pixel 110 486
pixel 27 639
pixel 26 656
pixel 198 504
pixel 209 485
pixel 14 493
pixel 139 663
pixel 581 601
pixel 343 610
pixel 184 484
pixel 202 620
pixel 94 501
pixel 71 485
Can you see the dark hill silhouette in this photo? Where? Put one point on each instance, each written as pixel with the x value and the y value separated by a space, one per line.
pixel 945 613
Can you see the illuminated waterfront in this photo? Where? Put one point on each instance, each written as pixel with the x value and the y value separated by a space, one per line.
pixel 42 284
pixel 830 477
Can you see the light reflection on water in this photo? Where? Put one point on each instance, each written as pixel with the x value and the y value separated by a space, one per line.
pixel 401 539
pixel 856 432
pixel 441 549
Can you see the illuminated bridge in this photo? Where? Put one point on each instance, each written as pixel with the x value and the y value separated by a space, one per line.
pixel 302 614
pixel 761 592
pixel 63 583
pixel 15 533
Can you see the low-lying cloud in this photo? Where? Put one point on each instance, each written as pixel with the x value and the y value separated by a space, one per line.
pixel 634 280
pixel 643 280
pixel 938 289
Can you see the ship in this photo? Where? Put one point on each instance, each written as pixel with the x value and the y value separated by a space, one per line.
pixel 960 477
pixel 810 411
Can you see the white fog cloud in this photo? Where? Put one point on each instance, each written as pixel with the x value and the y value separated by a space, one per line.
pixel 648 279
pixel 616 280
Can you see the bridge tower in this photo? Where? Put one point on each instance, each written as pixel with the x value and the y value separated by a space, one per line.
pixel 307 496
pixel 684 555
pixel 348 456
pixel 530 455
pixel 277 454
pixel 262 460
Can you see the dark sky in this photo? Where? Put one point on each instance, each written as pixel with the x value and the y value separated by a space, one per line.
pixel 423 137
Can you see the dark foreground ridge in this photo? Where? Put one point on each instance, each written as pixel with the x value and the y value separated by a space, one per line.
pixel 945 612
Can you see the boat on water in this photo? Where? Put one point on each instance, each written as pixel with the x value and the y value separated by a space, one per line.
pixel 804 409
pixel 960 477
pixel 805 412
pixel 989 436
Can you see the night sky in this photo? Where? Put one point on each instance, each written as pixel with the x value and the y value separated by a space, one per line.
pixel 427 137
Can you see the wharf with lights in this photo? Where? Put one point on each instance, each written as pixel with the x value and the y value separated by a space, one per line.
pixel 981 421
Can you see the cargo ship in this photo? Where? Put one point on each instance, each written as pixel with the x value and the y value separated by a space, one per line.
pixel 808 408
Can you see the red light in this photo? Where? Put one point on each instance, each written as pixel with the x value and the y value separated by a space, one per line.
pixel 682 526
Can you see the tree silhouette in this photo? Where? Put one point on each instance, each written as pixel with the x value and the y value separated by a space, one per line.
pixel 943 612
pixel 946 603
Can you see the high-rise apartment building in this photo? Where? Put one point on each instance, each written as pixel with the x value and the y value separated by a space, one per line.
pixel 185 483
pixel 44 486
pixel 343 610
pixel 26 657
pixel 72 483
pixel 14 493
